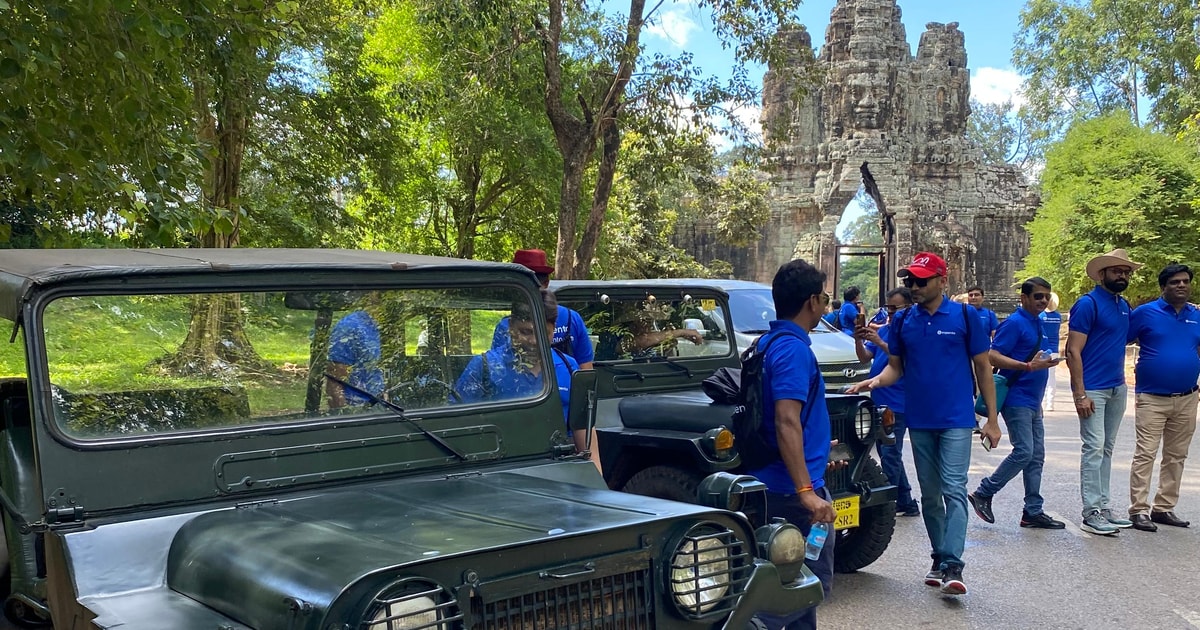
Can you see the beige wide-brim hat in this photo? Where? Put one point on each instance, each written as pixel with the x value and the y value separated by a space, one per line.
pixel 1115 258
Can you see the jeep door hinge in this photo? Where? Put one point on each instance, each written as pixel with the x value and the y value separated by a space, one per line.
pixel 65 514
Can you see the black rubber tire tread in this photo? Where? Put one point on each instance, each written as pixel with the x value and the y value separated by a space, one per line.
pixel 664 482
pixel 859 547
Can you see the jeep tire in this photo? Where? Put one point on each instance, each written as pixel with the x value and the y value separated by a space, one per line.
pixel 664 482
pixel 860 546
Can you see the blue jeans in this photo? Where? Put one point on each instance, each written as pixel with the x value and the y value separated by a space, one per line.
pixel 891 459
pixel 1027 433
pixel 788 506
pixel 1099 433
pixel 942 458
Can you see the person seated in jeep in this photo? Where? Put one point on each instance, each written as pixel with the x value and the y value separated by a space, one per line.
pixel 644 330
pixel 515 369
pixel 354 353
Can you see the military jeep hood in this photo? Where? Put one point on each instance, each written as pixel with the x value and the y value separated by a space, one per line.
pixel 247 562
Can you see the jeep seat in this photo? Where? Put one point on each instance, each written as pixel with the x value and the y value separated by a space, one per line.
pixel 693 412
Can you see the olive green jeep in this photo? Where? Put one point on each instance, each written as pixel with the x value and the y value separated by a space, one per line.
pixel 660 435
pixel 323 439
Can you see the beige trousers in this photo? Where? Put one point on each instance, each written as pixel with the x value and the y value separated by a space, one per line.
pixel 1171 422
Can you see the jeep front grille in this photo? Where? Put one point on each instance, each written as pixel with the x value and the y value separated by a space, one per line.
pixel 619 602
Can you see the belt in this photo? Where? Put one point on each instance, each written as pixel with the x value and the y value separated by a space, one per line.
pixel 1189 392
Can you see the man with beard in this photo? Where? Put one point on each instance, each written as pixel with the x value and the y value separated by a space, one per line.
pixel 1097 329
pixel 936 345
pixel 1168 331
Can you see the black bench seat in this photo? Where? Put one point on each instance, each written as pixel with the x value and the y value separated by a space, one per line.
pixel 693 412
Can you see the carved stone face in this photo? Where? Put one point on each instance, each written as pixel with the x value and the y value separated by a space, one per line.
pixel 868 99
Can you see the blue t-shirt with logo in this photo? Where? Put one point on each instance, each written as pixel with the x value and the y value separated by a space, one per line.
pixel 939 384
pixel 1167 362
pixel 354 342
pixel 1051 322
pixel 506 379
pixel 790 372
pixel 847 318
pixel 892 396
pixel 989 320
pixel 1104 318
pixel 570 335
pixel 1017 338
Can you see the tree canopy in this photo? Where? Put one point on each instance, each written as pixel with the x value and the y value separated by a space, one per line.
pixel 1111 184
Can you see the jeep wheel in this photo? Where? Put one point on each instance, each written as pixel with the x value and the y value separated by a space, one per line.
pixel 862 545
pixel 664 482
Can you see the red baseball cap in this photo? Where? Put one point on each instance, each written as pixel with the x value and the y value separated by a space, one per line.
pixel 535 259
pixel 924 265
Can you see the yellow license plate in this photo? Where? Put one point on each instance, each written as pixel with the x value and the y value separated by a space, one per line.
pixel 846 510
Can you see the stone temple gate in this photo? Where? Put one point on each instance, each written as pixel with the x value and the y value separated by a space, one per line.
pixel 900 121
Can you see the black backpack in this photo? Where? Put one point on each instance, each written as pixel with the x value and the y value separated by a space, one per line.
pixel 755 450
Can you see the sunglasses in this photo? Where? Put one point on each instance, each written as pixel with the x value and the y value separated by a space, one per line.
pixel 891 308
pixel 1040 296
pixel 912 281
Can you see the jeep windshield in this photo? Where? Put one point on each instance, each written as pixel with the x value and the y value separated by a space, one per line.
pixel 141 365
pixel 645 327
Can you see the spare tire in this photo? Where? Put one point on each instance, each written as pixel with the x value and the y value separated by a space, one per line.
pixel 862 545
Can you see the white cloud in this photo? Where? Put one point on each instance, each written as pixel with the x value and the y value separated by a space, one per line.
pixel 674 26
pixel 997 85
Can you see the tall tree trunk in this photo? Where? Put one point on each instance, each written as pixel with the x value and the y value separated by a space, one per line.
pixel 577 138
pixel 216 343
pixel 604 184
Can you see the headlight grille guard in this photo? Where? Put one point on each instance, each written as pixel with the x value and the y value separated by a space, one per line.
pixel 734 564
pixel 406 596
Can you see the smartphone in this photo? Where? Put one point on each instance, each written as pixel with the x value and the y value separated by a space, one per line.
pixel 987 445
pixel 860 320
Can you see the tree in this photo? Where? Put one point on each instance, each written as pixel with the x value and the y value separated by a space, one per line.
pixel 1085 58
pixel 1005 134
pixel 1112 184
pixel 585 96
pixel 463 83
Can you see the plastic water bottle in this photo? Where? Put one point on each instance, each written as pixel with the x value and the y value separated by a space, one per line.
pixel 816 540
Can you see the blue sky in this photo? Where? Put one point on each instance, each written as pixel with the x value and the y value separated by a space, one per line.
pixel 989 27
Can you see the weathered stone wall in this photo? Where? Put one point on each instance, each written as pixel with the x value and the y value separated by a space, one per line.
pixel 906 118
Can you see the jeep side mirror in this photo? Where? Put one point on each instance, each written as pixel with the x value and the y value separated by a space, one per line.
pixel 581 405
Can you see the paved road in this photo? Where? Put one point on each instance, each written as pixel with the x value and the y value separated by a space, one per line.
pixel 1022 578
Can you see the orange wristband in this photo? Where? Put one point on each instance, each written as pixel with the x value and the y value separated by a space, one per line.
pixel 804 489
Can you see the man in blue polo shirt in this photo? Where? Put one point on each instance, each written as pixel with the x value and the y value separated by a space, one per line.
pixel 851 307
pixel 354 353
pixel 986 315
pixel 935 345
pixel 871 345
pixel 571 336
pixel 796 420
pixel 1098 326
pixel 1017 352
pixel 1168 366
pixel 515 369
pixel 1051 321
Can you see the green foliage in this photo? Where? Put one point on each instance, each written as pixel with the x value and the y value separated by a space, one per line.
pixel 1112 184
pixel 1085 58
pixel 1005 136
pixel 861 272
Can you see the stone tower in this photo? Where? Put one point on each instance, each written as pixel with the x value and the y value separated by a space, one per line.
pixel 904 118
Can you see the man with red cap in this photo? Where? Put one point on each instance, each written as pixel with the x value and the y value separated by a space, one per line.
pixel 570 333
pixel 934 345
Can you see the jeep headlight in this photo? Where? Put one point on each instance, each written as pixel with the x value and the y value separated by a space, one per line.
pixel 707 569
pixel 412 604
pixel 864 421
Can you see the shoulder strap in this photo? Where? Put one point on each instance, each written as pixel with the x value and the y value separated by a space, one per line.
pixel 967 333
pixel 895 341
pixel 562 355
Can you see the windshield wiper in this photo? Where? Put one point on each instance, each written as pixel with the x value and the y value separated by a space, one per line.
pixel 671 362
pixel 397 411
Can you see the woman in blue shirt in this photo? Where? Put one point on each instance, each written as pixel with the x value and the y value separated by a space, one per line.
pixel 1051 321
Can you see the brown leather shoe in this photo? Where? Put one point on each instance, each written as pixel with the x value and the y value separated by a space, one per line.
pixel 1143 523
pixel 1168 518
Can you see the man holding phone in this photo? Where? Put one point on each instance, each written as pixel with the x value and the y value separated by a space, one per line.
pixel 935 345
pixel 1017 353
